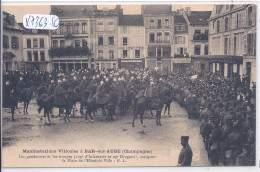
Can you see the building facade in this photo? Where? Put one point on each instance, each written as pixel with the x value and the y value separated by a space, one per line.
pixel 232 41
pixel 106 36
pixel 159 24
pixel 72 46
pixel 12 44
pixel 181 60
pixel 36 45
pixel 131 42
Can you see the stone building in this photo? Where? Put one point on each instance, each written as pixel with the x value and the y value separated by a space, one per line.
pixel 12 44
pixel 106 37
pixel 159 24
pixel 131 42
pixel 72 44
pixel 232 42
pixel 36 45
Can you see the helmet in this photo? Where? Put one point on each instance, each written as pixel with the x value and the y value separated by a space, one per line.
pixel 74 77
pixel 59 81
pixel 52 81
pixel 107 80
pixel 84 77
pixel 102 82
pixel 114 79
pixel 64 80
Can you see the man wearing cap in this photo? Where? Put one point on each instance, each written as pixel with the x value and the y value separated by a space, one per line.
pixel 51 87
pixel 185 156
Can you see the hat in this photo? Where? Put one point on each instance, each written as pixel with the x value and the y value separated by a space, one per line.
pixel 59 81
pixel 186 138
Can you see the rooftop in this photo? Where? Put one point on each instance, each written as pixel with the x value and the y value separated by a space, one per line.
pixel 33 31
pixel 131 20
pixel 156 9
pixel 199 17
pixel 73 10
pixel 179 19
pixel 9 22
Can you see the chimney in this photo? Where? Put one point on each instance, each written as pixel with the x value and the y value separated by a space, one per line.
pixel 118 7
pixel 187 9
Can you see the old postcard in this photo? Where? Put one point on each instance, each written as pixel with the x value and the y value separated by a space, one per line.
pixel 129 85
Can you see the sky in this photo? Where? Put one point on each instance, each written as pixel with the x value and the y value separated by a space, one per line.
pixel 20 10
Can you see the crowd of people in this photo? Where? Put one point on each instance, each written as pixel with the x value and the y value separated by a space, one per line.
pixel 225 107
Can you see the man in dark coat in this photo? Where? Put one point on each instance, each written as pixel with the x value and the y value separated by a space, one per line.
pixel 59 94
pixel 185 156
pixel 20 87
pixel 7 91
pixel 51 87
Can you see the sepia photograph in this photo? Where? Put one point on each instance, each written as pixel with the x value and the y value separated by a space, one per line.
pixel 129 85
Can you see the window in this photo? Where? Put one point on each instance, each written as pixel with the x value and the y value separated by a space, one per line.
pixel 124 53
pixel 100 40
pixel 197 31
pixel 250 16
pixel 42 54
pixel 62 43
pixel 180 27
pixel 29 56
pixel 69 28
pixel 35 43
pixel 151 23
pixel 84 27
pixel 29 43
pixel 100 54
pixel 218 26
pixel 35 54
pixel 159 52
pixel 197 50
pixel 167 51
pixel 159 37
pixel 226 24
pixel 76 28
pixel 250 44
pixel 111 54
pixel 151 52
pixel 225 46
pixel 5 41
pixel 15 42
pixel 77 44
pixel 111 40
pixel 100 26
pixel 167 37
pixel 41 43
pixel 124 29
pixel 54 43
pixel 84 43
pixel 159 23
pixel 167 23
pixel 111 25
pixel 124 41
pixel 97 66
pixel 235 45
pixel 92 46
pixel 206 49
pixel 152 38
pixel 137 53
pixel 61 27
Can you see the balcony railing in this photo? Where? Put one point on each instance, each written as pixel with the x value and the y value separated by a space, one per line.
pixel 70 51
pixel 181 56
pixel 200 36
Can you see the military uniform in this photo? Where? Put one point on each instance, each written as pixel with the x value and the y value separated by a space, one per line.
pixel 185 156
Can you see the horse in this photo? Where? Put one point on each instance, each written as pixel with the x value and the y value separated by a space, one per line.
pixel 48 102
pixel 143 103
pixel 26 97
pixel 12 103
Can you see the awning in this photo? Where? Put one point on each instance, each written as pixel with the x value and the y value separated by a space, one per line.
pixel 8 55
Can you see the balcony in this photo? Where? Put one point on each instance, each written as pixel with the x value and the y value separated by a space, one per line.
pixel 69 51
pixel 181 56
pixel 200 37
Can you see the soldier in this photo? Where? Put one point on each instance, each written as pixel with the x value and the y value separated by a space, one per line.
pixel 243 158
pixel 59 94
pixel 7 91
pixel 74 83
pixel 20 87
pixel 185 156
pixel 83 84
pixel 51 87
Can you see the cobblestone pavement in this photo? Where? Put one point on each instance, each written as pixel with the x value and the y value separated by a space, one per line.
pixel 30 132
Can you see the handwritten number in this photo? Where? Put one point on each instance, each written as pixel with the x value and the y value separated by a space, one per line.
pixel 45 23
pixel 36 23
